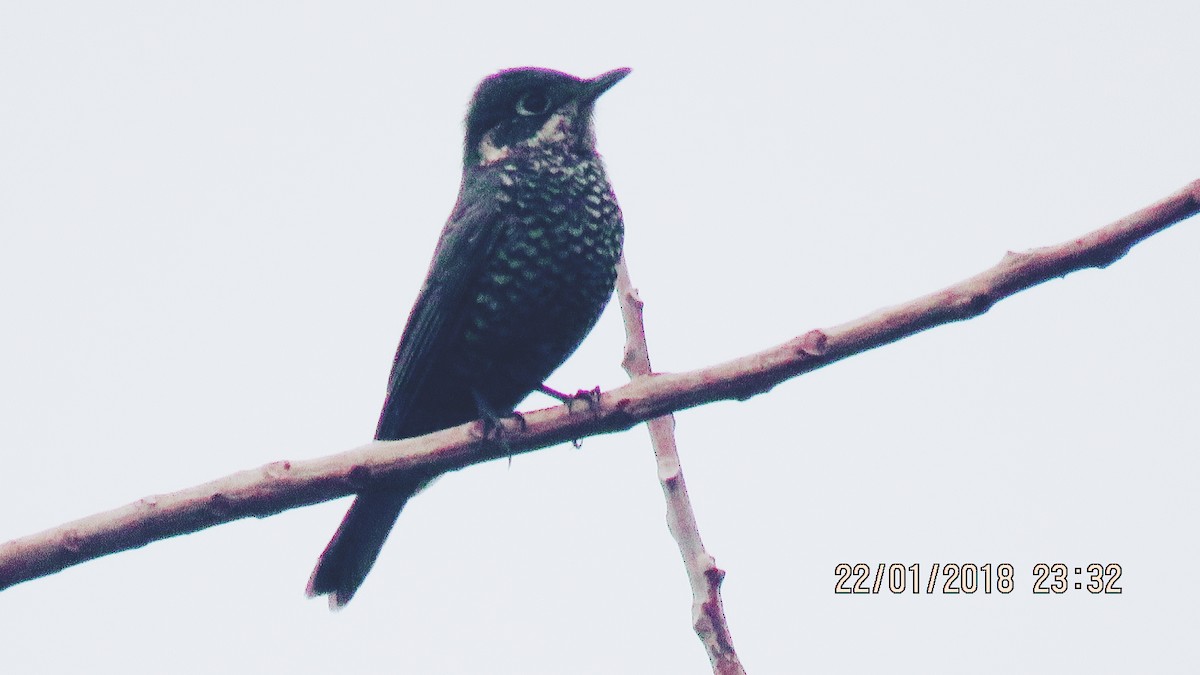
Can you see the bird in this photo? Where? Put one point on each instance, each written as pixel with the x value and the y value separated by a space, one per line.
pixel 521 272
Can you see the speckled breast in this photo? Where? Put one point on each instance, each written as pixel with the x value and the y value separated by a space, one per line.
pixel 553 272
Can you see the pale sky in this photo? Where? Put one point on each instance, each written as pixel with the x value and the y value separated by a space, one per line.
pixel 215 217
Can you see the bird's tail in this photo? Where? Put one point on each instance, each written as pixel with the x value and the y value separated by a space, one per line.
pixel 348 558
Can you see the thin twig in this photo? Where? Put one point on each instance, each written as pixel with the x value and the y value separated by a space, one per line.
pixel 708 612
pixel 285 485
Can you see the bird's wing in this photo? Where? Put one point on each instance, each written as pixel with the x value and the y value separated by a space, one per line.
pixel 463 250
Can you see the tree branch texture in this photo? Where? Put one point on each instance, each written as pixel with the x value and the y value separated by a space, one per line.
pixel 708 611
pixel 288 484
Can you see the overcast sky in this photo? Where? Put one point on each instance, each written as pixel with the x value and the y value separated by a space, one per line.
pixel 214 217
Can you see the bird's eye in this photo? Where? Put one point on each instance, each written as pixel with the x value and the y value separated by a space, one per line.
pixel 533 103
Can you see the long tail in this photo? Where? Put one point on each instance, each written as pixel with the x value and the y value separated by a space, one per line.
pixel 352 551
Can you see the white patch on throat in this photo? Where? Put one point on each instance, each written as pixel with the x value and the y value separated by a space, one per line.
pixel 489 153
pixel 553 131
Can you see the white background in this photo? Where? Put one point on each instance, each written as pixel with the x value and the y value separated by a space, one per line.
pixel 214 217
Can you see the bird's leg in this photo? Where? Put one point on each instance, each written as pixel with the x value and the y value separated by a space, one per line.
pixel 554 393
pixel 492 422
pixel 589 396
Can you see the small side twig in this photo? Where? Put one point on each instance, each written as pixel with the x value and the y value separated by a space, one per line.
pixel 708 612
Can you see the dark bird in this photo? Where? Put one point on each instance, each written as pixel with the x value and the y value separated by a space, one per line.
pixel 523 268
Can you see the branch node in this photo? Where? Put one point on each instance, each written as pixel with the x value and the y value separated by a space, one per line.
pixel 813 343
pixel 978 303
pixel 277 469
pixel 635 300
pixel 1108 255
pixel 219 503
pixel 715 576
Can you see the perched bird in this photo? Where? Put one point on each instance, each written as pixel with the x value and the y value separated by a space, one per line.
pixel 522 270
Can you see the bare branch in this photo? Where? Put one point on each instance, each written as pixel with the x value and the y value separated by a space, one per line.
pixel 285 485
pixel 708 612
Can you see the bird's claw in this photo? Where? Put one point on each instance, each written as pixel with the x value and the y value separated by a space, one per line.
pixel 589 396
pixel 492 426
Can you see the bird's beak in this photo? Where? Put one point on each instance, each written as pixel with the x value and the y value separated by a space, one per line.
pixel 592 88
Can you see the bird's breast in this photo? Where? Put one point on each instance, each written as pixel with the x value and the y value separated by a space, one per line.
pixel 553 271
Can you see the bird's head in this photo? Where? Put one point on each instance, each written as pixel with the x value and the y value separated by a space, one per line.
pixel 531 107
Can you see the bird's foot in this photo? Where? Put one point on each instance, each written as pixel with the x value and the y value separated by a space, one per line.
pixel 491 424
pixel 589 396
